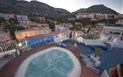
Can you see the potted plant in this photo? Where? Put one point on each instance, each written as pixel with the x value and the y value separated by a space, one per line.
pixel 97 51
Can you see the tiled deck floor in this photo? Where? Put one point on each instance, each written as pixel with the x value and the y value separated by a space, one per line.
pixel 10 68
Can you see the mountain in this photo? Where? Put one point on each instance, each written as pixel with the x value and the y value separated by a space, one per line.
pixel 42 9
pixel 96 9
pixel 33 7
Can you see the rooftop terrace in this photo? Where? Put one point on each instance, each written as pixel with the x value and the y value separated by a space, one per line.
pixel 10 68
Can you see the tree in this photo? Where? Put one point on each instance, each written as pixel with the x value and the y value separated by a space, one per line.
pixel 35 19
pixel 51 25
pixel 111 21
pixel 12 28
pixel 2 20
pixel 13 20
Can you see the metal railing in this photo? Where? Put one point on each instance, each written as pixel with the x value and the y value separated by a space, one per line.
pixel 6 46
pixel 105 74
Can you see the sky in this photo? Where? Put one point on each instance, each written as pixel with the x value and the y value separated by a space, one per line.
pixel 73 5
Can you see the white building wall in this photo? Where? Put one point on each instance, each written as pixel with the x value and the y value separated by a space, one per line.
pixel 22 18
pixel 119 22
pixel 7 16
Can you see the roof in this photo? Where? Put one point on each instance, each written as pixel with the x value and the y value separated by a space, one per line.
pixel 29 24
pixel 21 15
pixel 44 24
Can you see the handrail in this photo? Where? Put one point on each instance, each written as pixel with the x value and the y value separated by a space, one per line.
pixel 105 74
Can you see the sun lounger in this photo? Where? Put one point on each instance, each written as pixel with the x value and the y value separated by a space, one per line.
pixel 86 59
pixel 116 42
pixel 83 56
pixel 94 42
pixel 92 68
pixel 90 61
pixel 91 42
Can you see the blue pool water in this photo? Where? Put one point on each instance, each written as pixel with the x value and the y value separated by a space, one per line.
pixel 55 63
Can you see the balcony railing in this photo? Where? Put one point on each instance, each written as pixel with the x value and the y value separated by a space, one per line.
pixel 6 46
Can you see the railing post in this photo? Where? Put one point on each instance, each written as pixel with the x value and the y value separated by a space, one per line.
pixel 17 49
pixel 1 48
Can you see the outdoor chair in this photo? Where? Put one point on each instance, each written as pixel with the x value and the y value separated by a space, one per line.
pixel 61 44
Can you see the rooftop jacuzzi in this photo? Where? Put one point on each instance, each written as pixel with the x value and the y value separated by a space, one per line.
pixel 51 62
